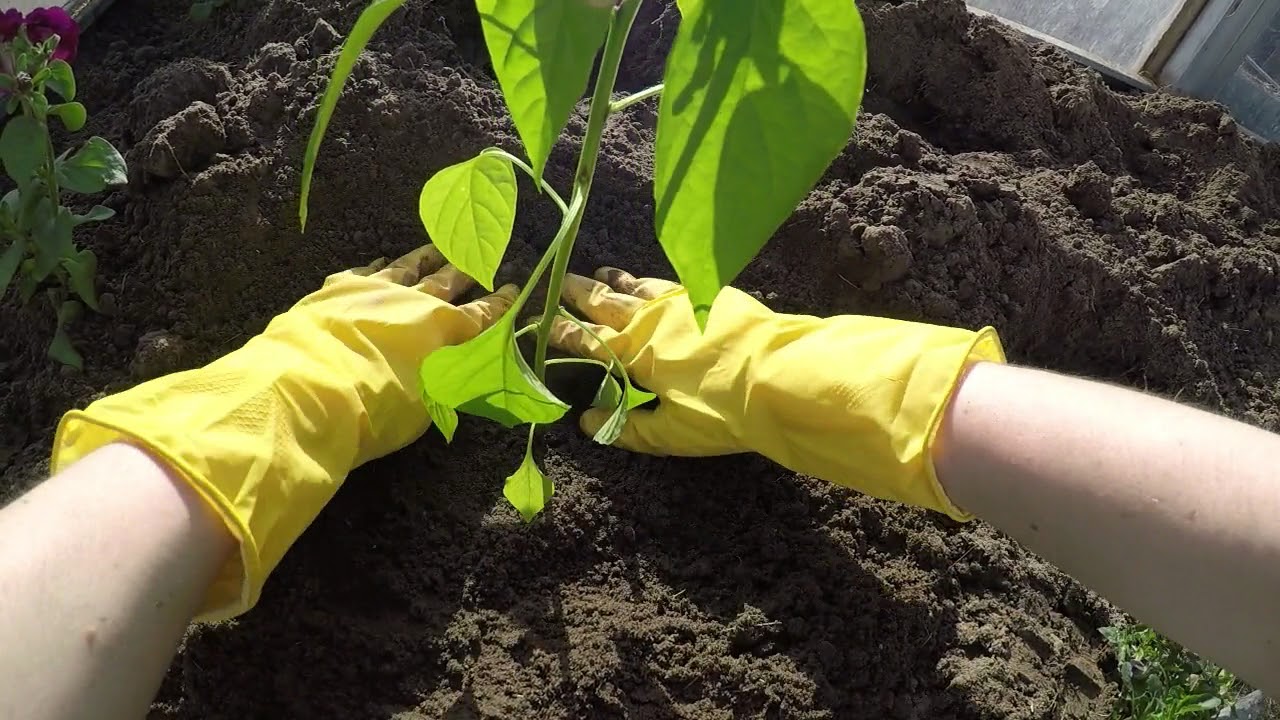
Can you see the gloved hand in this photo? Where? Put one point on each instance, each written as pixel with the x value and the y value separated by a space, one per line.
pixel 267 434
pixel 853 400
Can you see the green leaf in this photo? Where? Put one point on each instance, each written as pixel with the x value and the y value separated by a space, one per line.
pixel 51 229
pixel 542 53
pixel 759 98
pixel 92 168
pixel 61 348
pixel 368 23
pixel 10 261
pixel 623 398
pixel 469 210
pixel 81 269
pixel 487 376
pixel 61 80
pixel 527 489
pixel 97 213
pixel 72 115
pixel 39 105
pixel 22 149
pixel 443 417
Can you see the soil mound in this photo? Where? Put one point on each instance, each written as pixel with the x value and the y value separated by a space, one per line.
pixel 1125 237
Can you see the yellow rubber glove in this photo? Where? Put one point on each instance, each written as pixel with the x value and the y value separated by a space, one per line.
pixel 853 400
pixel 267 434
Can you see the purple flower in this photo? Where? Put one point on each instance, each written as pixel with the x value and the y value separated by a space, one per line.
pixel 43 23
pixel 10 21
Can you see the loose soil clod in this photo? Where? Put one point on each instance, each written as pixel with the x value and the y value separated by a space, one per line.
pixel 1125 237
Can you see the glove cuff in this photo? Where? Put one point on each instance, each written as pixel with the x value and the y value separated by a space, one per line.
pixel 239 582
pixel 986 347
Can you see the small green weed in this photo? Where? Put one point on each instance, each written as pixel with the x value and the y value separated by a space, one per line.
pixel 1161 680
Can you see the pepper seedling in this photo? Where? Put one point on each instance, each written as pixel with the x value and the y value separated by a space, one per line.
pixel 37 229
pixel 758 97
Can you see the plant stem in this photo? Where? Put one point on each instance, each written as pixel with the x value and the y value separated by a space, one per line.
pixel 50 175
pixel 623 16
pixel 546 259
pixel 626 102
pixel 540 182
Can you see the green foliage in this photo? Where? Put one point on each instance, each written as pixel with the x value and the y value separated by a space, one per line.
pixel 758 98
pixel 72 115
pixel 36 229
pixel 622 397
pixel 22 146
pixel 94 167
pixel 368 23
pixel 527 489
pixel 542 52
pixel 489 377
pixel 468 210
pixel 1160 680
pixel 61 80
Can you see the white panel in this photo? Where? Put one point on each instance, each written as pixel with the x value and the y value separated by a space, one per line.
pixel 1121 33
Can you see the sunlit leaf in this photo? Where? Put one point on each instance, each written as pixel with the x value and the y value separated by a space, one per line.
pixel 72 115
pixel 22 149
pixel 94 167
pixel 368 23
pixel 622 397
pixel 468 210
pixel 759 98
pixel 487 376
pixel 542 53
pixel 527 489
pixel 61 80
pixel 443 417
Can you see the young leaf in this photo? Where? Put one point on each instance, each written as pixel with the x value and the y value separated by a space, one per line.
pixel 10 261
pixel 22 148
pixel 487 376
pixel 81 270
pixel 527 489
pixel 623 398
pixel 443 417
pixel 92 168
pixel 759 98
pixel 97 213
pixel 368 23
pixel 72 115
pixel 61 80
pixel 61 348
pixel 469 210
pixel 542 52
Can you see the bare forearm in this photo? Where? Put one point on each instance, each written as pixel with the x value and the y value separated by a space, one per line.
pixel 101 569
pixel 1165 510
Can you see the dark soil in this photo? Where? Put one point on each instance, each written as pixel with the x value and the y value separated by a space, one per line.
pixel 1125 237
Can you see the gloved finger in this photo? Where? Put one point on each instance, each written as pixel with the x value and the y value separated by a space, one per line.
pixel 572 339
pixel 371 268
pixel 489 308
pixel 598 303
pixel 447 283
pixel 413 266
pixel 643 288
